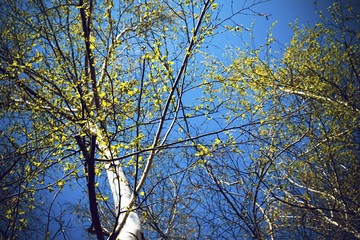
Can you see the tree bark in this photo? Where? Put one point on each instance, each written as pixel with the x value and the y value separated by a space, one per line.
pixel 121 194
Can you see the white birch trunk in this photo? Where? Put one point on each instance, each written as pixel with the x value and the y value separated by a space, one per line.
pixel 121 194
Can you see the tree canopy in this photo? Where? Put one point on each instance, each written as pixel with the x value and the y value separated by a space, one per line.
pixel 123 105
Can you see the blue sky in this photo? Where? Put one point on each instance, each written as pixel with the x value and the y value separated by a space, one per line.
pixel 286 12
pixel 283 12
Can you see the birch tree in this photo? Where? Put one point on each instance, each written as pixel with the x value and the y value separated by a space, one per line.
pixel 93 87
pixel 124 102
pixel 301 175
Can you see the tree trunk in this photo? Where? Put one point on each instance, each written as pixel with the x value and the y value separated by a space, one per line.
pixel 121 194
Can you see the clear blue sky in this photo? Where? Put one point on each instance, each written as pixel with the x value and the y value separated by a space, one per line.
pixel 286 12
pixel 283 12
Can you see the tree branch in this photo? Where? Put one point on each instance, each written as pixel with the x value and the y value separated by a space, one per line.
pixel 318 97
pixel 161 124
